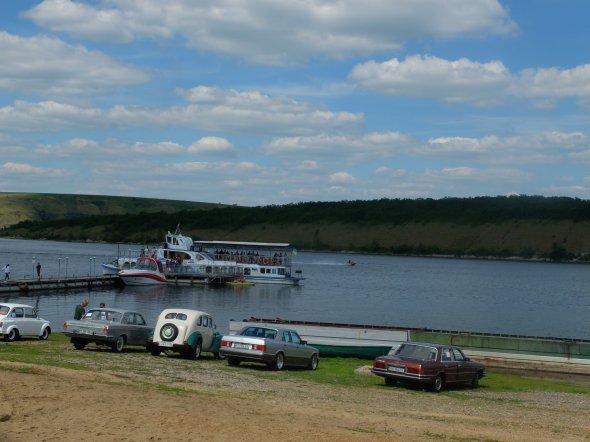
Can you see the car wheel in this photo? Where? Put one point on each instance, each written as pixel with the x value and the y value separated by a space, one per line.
pixel 155 351
pixel 12 335
pixel 390 381
pixel 79 345
pixel 119 344
pixel 234 362
pixel 45 334
pixel 169 332
pixel 313 362
pixel 196 354
pixel 438 384
pixel 475 380
pixel 279 362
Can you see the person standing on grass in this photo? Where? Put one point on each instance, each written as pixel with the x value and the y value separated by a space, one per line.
pixel 6 272
pixel 80 309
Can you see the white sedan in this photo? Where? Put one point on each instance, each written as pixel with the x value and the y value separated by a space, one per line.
pixel 18 320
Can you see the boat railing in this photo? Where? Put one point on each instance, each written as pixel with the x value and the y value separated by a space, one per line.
pixel 203 270
pixel 269 260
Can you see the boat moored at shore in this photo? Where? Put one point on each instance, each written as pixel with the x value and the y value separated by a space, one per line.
pixel 148 271
pixel 370 341
pixel 261 263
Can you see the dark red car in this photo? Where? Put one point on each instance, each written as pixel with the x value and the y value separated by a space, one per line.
pixel 433 365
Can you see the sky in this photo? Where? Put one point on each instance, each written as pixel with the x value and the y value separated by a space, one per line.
pixel 265 102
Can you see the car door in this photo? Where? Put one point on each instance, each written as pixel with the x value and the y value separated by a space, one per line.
pixel 206 331
pixel 30 323
pixel 301 352
pixel 142 330
pixel 450 365
pixel 288 349
pixel 133 330
pixel 464 369
pixel 17 317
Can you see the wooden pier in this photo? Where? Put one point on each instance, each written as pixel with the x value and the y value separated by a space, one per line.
pixel 71 282
pixel 90 282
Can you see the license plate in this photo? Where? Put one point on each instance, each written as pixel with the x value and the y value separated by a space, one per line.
pixel 396 369
pixel 166 344
pixel 240 345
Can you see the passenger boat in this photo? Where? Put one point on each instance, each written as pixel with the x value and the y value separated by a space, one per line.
pixel 260 263
pixel 148 271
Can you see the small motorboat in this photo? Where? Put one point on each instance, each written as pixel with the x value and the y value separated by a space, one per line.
pixel 351 263
pixel 240 281
pixel 147 271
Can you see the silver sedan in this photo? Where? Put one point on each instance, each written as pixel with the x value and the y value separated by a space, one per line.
pixel 275 347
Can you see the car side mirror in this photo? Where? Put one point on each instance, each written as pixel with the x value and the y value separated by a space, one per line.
pixel 303 342
pixel 467 359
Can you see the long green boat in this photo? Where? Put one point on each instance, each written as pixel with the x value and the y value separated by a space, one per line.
pixel 370 341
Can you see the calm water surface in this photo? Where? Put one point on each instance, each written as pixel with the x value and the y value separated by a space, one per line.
pixel 538 299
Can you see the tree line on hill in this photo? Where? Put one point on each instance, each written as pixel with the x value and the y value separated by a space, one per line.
pixel 468 212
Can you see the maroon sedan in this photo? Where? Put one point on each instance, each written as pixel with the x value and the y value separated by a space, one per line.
pixel 433 365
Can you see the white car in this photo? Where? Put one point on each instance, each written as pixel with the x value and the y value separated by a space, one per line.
pixel 18 320
pixel 186 331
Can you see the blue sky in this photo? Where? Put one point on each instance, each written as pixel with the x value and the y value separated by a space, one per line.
pixel 275 102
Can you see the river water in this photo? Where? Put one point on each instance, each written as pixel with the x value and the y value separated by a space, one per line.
pixel 524 298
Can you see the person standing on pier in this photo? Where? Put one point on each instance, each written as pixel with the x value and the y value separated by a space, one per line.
pixel 6 272
pixel 38 270
pixel 80 309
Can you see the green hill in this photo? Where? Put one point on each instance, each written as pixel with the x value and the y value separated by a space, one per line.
pixel 528 227
pixel 17 207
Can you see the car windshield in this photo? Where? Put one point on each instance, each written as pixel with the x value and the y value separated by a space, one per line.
pixel 259 332
pixel 103 315
pixel 423 352
pixel 4 309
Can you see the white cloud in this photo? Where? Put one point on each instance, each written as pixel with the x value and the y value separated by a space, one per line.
pixel 553 83
pixel 466 81
pixel 212 145
pixel 76 146
pixel 372 145
pixel 277 33
pixel 212 109
pixel 535 148
pixel 342 178
pixel 24 169
pixel 471 174
pixel 308 165
pixel 432 77
pixel 51 68
pixel 162 148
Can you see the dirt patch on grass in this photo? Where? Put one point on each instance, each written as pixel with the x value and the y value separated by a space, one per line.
pixel 133 397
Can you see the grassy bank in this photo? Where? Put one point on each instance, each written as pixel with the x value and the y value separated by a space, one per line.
pixel 138 368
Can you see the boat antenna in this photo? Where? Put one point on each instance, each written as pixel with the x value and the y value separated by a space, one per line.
pixel 177 229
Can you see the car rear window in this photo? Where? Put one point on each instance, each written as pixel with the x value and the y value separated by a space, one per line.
pixel 259 332
pixel 417 352
pixel 173 315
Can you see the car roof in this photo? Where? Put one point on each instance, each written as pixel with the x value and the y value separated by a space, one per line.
pixel 430 344
pixel 270 327
pixel 116 310
pixel 186 311
pixel 12 305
